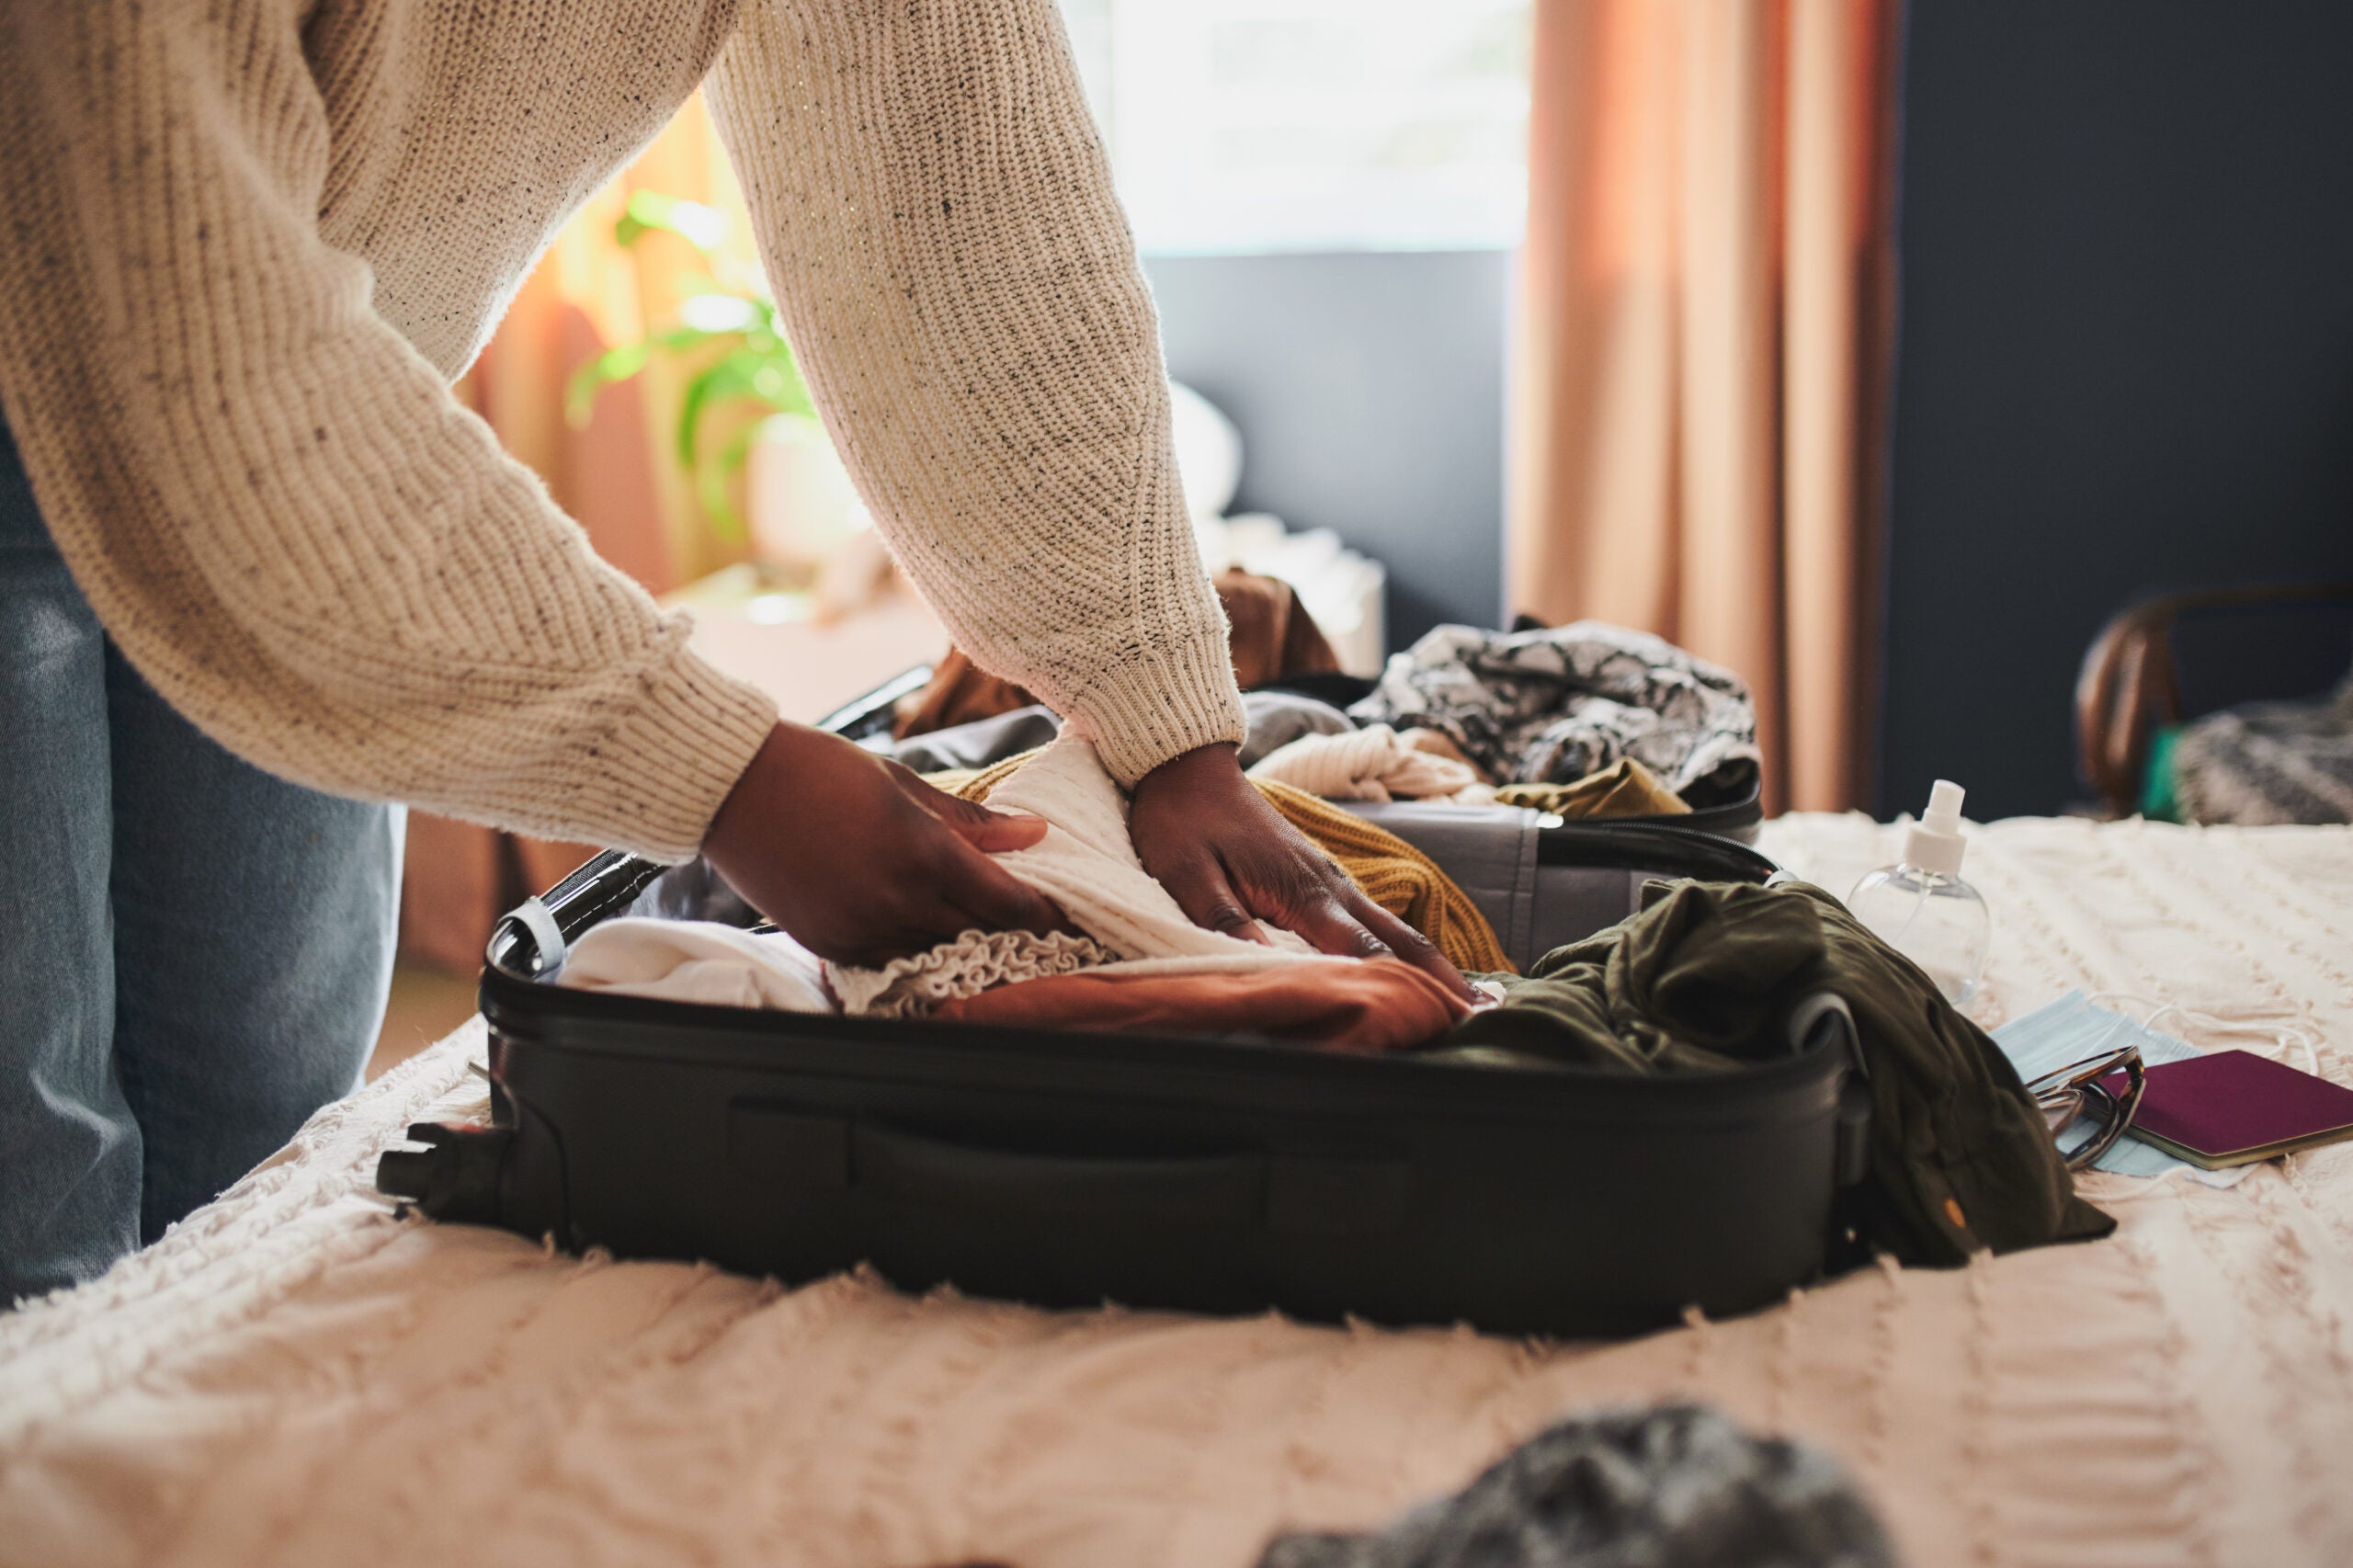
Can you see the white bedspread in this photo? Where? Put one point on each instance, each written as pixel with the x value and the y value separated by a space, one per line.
pixel 295 1377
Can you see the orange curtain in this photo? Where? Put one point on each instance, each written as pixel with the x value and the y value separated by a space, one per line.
pixel 619 477
pixel 1701 365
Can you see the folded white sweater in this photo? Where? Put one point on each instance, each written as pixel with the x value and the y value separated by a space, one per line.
pixel 1088 864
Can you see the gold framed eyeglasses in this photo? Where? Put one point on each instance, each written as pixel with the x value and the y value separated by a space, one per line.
pixel 2067 1094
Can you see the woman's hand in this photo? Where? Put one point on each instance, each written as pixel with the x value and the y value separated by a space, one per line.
pixel 862 860
pixel 1230 860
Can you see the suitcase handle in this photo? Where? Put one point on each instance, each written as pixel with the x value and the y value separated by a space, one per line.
pixel 1284 1194
pixel 892 1163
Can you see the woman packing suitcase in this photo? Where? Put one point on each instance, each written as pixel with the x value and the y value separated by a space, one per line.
pixel 257 568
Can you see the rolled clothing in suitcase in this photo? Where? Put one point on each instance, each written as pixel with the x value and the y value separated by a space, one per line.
pixel 1209 1175
pixel 1729 804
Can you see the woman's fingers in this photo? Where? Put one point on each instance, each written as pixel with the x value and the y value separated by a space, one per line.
pixel 862 860
pixel 1410 945
pixel 993 833
pixel 1206 894
pixel 987 895
pixel 1333 928
pixel 1351 924
pixel 993 899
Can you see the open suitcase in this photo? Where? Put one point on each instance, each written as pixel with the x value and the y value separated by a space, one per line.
pixel 1221 1175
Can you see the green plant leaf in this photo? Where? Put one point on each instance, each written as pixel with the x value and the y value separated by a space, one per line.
pixel 612 365
pixel 731 377
pixel 758 364
pixel 700 226
pixel 787 393
pixel 618 365
pixel 711 484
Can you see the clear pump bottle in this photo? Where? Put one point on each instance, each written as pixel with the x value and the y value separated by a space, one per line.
pixel 1922 908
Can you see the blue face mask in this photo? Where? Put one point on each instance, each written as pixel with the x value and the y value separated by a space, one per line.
pixel 2072 1030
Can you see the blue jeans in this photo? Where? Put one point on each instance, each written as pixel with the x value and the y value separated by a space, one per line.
pixel 193 953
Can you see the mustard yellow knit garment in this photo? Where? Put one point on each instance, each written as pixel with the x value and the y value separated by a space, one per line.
pixel 1391 872
pixel 1624 788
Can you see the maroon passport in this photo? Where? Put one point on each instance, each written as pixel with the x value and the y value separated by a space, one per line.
pixel 2230 1108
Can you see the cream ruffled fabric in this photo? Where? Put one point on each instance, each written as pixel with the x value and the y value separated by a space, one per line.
pixel 292 1377
pixel 910 987
pixel 1375 763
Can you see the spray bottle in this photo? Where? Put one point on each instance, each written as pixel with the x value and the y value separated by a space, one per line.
pixel 1921 907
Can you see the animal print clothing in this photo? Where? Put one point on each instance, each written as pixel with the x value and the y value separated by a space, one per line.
pixel 1552 705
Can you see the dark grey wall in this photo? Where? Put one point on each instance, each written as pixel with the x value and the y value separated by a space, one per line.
pixel 2126 361
pixel 1369 388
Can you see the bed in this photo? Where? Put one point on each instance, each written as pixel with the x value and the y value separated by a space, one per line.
pixel 296 1376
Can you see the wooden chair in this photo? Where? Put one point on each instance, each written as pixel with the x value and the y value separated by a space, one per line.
pixel 2131 685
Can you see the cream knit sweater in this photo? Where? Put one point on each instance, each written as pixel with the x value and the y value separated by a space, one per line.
pixel 251 242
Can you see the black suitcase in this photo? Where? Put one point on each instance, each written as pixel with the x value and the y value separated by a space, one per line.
pixel 1218 1175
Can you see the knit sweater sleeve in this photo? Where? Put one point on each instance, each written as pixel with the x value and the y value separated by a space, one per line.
pixel 964 293
pixel 270 499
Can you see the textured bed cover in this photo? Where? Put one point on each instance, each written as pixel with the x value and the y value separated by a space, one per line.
pixel 295 1376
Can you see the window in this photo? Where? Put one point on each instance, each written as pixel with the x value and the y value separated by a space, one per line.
pixel 1268 125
